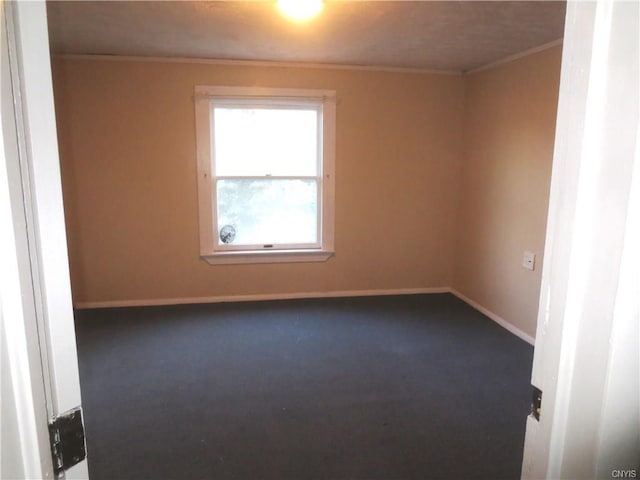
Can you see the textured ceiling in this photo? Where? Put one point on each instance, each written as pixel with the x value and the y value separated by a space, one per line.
pixel 451 36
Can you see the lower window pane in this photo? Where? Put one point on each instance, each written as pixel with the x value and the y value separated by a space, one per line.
pixel 264 212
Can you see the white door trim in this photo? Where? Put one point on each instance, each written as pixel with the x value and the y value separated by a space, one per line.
pixel 25 439
pixel 46 352
pixel 586 356
pixel 43 198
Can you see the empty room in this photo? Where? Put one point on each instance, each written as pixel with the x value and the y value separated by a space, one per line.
pixel 305 248
pixel 301 248
pixel 323 240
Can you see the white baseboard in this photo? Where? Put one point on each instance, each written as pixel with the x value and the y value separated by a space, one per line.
pixel 291 296
pixel 257 297
pixel 499 320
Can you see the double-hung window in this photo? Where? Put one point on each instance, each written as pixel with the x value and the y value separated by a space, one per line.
pixel 265 174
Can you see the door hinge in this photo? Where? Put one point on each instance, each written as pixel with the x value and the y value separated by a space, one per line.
pixel 66 433
pixel 536 402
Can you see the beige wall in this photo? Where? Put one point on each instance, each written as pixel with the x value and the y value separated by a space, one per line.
pixel 441 181
pixel 509 131
pixel 127 143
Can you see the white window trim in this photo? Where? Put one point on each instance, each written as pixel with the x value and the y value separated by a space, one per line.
pixel 209 249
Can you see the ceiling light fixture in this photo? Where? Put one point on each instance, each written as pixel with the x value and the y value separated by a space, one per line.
pixel 300 9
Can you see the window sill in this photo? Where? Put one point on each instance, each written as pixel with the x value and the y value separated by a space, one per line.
pixel 261 256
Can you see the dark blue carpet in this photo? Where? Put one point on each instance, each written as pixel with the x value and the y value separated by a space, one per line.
pixel 410 387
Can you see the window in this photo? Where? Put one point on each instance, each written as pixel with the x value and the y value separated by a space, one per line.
pixel 265 174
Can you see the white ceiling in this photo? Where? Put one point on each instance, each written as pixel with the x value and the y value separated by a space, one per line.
pixel 448 36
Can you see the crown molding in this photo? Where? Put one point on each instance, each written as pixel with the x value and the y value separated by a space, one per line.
pixel 253 63
pixel 516 56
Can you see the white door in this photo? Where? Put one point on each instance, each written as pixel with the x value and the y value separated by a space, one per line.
pixel 38 338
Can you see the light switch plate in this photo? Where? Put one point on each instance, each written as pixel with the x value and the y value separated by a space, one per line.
pixel 529 260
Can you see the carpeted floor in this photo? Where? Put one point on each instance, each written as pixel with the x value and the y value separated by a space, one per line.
pixel 411 387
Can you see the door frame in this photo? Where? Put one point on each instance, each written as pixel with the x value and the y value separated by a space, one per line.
pixel 37 312
pixel 25 446
pixel 587 339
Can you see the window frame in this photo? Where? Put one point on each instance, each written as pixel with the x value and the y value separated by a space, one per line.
pixel 206 97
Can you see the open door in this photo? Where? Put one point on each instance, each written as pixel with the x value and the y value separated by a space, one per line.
pixel 40 384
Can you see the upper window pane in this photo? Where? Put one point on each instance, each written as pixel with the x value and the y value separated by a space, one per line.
pixel 251 141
